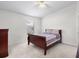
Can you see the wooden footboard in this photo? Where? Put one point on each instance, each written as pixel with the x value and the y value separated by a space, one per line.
pixel 37 40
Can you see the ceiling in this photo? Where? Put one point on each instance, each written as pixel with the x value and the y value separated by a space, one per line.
pixel 30 8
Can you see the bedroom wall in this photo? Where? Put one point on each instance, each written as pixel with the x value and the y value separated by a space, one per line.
pixel 17 25
pixel 64 19
pixel 77 16
pixel 77 21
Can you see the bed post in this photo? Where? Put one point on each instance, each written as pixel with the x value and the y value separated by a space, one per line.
pixel 45 48
pixel 28 39
pixel 45 51
pixel 60 32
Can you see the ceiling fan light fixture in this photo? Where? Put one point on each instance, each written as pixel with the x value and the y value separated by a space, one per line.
pixel 41 4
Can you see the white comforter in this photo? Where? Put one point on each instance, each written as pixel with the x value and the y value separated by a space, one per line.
pixel 50 38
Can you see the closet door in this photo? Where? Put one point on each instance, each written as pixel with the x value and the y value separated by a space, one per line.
pixel 3 43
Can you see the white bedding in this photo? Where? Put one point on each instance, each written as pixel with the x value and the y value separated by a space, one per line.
pixel 50 38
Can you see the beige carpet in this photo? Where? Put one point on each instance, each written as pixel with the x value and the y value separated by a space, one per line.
pixel 31 51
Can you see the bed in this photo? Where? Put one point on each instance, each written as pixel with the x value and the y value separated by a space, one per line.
pixel 46 39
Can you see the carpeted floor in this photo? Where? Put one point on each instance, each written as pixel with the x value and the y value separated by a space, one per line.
pixel 31 51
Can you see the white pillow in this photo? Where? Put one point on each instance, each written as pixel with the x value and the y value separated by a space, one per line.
pixel 54 31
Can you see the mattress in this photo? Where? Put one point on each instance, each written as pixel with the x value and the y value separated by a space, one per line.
pixel 50 38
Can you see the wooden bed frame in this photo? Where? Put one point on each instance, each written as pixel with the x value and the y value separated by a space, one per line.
pixel 40 41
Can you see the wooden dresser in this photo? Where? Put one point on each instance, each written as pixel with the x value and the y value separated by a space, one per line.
pixel 3 43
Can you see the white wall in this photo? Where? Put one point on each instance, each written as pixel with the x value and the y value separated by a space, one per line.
pixel 37 25
pixel 77 21
pixel 64 19
pixel 17 25
pixel 77 13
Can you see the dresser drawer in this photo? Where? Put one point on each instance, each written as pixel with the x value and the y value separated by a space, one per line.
pixel 3 43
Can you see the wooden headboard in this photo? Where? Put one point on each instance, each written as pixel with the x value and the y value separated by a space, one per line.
pixel 60 32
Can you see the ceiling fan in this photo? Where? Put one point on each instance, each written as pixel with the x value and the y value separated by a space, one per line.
pixel 41 4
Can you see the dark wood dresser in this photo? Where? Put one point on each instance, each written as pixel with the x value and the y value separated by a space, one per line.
pixel 3 43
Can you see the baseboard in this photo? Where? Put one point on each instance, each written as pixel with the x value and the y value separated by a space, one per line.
pixel 69 45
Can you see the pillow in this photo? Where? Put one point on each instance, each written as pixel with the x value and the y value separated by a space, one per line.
pixel 54 31
pixel 47 33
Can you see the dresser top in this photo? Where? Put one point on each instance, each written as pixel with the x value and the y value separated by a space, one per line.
pixel 4 29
